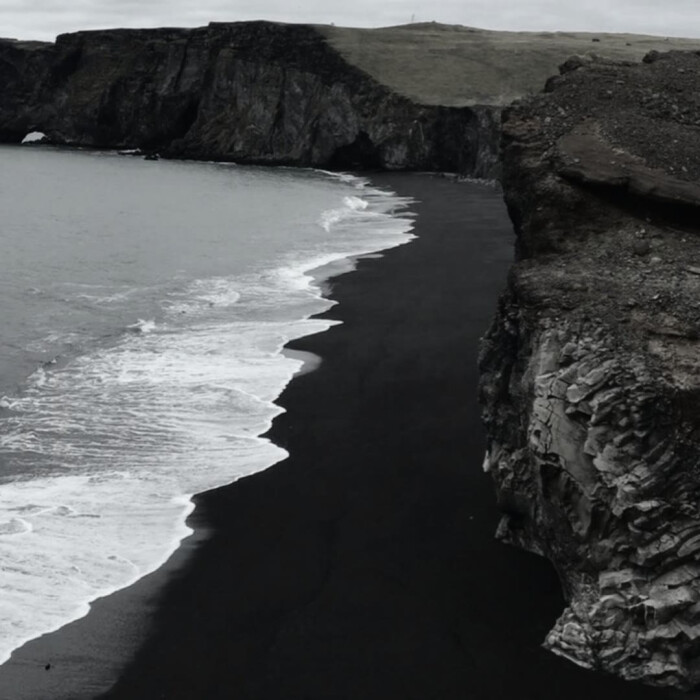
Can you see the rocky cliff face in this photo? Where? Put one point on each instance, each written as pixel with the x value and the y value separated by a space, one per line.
pixel 591 370
pixel 253 92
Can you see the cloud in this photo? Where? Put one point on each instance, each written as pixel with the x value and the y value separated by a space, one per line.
pixel 43 19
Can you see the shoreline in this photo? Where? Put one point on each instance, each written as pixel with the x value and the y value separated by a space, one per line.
pixel 62 650
pixel 364 565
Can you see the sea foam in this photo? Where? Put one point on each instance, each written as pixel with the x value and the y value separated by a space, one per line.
pixel 113 443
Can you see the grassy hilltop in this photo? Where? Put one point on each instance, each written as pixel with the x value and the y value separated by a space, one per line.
pixel 457 66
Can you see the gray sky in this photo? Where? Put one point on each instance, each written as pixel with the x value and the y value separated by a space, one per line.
pixel 43 19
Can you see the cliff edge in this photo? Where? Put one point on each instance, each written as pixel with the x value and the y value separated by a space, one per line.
pixel 591 370
pixel 423 96
pixel 251 92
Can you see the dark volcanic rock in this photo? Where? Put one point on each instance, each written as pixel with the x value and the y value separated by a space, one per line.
pixel 591 370
pixel 253 92
pixel 23 66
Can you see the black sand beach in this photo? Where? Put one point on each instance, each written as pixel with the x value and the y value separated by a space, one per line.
pixel 364 566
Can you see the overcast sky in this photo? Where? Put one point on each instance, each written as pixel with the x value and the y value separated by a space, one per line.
pixel 43 19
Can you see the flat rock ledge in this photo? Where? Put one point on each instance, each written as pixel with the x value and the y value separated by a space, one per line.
pixel 591 370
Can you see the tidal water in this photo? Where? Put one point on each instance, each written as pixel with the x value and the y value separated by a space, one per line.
pixel 144 308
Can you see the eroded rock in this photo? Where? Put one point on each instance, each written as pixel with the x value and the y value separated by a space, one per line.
pixel 591 370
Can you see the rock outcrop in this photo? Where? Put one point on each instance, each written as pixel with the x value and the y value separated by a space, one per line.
pixel 591 369
pixel 252 92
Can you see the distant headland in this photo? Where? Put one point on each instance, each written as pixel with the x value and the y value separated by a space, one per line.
pixel 415 97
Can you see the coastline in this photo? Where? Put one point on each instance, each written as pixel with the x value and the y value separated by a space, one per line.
pixel 85 653
pixel 364 566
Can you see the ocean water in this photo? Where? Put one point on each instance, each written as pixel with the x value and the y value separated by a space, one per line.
pixel 144 309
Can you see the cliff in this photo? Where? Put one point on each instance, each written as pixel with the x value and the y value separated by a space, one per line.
pixel 591 370
pixel 254 92
pixel 417 97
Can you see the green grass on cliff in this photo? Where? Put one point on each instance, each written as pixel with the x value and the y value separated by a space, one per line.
pixel 454 65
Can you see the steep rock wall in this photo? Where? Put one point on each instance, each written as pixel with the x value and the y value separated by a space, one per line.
pixel 254 92
pixel 591 369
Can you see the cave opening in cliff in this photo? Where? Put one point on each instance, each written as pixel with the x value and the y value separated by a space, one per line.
pixel 361 154
pixel 33 137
